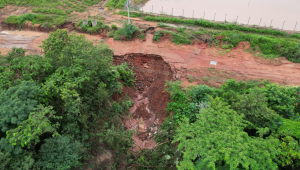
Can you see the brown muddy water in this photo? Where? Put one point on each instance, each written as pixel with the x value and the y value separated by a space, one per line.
pixel 277 13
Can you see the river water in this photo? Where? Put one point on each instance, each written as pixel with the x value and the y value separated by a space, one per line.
pixel 277 13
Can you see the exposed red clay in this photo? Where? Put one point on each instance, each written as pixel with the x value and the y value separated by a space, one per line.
pixel 185 57
pixel 150 100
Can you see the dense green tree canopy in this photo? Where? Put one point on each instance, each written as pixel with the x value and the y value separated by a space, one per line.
pixel 217 140
pixel 59 153
pixel 16 103
pixel 51 106
pixel 257 120
pixel 254 107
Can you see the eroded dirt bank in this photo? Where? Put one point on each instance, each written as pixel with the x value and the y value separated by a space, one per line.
pixel 185 59
pixel 150 100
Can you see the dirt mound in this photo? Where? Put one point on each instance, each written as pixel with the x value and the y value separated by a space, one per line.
pixel 150 100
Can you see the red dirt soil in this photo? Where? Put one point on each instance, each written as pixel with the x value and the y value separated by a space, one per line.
pixel 186 57
pixel 150 100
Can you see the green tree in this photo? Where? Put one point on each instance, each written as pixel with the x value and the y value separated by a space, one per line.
pixel 67 98
pixel 165 155
pixel 59 153
pixel 54 45
pixel 30 130
pixel 217 140
pixel 289 135
pixel 16 103
pixel 231 89
pixel 17 67
pixel 14 157
pixel 255 109
pixel 282 100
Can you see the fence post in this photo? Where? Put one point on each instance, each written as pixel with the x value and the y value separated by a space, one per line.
pixel 193 14
pixel 183 13
pixel 237 19
pixel 172 11
pixel 162 10
pixel 248 21
pixel 295 26
pixel 225 17
pixel 152 8
pixel 283 24
pixel 203 15
pixel 271 23
pixel 215 17
pixel 142 8
pixel 259 22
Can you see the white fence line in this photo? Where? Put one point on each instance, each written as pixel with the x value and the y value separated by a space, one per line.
pixel 137 8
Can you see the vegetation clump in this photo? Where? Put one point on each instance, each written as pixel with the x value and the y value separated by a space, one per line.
pixel 52 5
pixel 132 14
pixel 247 115
pixel 89 28
pixel 179 37
pixel 51 106
pixel 116 3
pixel 45 20
pixel 49 11
pixel 125 32
pixel 208 24
pixel 266 45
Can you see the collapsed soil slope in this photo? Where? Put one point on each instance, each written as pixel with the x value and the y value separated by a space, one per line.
pixel 150 100
pixel 192 57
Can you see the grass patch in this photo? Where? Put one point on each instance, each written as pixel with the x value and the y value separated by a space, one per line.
pixel 46 20
pixel 49 11
pixel 225 26
pixel 179 37
pixel 132 14
pixel 163 25
pixel 116 3
pixel 51 6
pixel 269 46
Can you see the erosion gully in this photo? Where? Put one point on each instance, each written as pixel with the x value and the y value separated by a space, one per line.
pixel 150 99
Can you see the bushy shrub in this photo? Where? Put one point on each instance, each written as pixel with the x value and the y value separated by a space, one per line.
pixel 157 35
pixel 12 19
pixel 114 27
pixel 126 74
pixel 127 31
pixel 59 153
pixel 16 104
pixel 68 11
pixel 89 27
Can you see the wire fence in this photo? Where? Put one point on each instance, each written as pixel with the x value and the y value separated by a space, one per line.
pixel 140 8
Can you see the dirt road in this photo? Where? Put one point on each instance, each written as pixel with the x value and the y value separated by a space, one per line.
pixel 181 58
